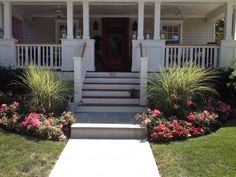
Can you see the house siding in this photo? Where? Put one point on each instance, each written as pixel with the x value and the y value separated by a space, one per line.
pixel 197 31
pixel 39 30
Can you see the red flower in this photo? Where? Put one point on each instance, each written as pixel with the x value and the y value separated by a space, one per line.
pixel 191 117
pixel 175 133
pixel 160 128
pixel 200 118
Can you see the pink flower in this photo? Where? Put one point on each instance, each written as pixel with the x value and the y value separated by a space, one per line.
pixel 189 102
pixel 15 105
pixel 206 112
pixel 32 121
pixel 157 112
pixel 191 117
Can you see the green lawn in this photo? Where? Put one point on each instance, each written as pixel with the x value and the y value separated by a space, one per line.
pixel 213 155
pixel 23 156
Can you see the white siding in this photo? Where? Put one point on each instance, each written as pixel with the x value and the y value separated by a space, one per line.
pixel 197 31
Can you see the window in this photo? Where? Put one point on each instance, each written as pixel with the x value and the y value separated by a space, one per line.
pixel 171 32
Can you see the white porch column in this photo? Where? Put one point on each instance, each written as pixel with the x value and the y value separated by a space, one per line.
pixel 228 21
pixel 140 19
pixel 235 23
pixel 86 20
pixel 70 20
pixel 1 16
pixel 157 20
pixel 7 15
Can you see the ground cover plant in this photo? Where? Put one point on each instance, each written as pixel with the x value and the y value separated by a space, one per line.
pixel 46 126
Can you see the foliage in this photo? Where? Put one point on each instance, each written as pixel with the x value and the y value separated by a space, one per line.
pixel 35 124
pixel 220 30
pixel 161 128
pixel 232 82
pixel 175 89
pixel 7 75
pixel 48 92
pixel 193 124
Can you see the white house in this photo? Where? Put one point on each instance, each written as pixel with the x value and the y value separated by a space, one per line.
pixel 130 35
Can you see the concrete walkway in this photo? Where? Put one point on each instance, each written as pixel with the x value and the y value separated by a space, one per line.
pixel 106 158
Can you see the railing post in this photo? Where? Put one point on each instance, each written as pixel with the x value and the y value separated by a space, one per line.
pixel 77 80
pixel 143 80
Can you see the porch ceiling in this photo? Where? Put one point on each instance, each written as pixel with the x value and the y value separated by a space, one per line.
pixel 168 10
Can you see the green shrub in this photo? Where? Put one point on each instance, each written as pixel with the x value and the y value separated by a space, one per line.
pixel 178 88
pixel 48 92
pixel 7 76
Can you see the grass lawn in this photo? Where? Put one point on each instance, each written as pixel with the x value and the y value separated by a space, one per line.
pixel 213 155
pixel 23 156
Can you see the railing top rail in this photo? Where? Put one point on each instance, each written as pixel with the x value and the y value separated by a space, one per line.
pixel 35 45
pixel 83 50
pixel 192 46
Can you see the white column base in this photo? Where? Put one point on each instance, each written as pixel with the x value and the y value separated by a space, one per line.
pixel 7 53
pixel 153 49
pixel 228 52
pixel 73 48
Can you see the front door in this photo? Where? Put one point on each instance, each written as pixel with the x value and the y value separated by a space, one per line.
pixel 115 42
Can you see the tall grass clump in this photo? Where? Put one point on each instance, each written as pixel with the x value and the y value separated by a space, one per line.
pixel 48 91
pixel 178 88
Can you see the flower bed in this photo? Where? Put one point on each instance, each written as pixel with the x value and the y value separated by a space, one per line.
pixel 35 124
pixel 161 128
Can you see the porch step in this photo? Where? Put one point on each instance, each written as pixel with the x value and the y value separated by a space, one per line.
pixel 129 108
pixel 109 100
pixel 111 86
pixel 111 80
pixel 106 93
pixel 113 74
pixel 107 131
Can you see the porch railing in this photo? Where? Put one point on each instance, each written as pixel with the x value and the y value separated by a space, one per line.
pixel 203 56
pixel 43 55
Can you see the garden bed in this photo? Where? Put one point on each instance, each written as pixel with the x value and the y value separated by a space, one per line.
pixel 213 155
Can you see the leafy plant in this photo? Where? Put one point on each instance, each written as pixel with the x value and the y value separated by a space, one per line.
pixel 48 91
pixel 179 88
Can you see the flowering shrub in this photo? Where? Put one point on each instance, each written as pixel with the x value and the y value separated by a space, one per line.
pixel 219 107
pixel 38 125
pixel 232 83
pixel 161 128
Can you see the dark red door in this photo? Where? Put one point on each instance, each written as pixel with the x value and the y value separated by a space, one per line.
pixel 115 43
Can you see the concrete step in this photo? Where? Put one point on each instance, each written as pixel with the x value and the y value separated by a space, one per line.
pixel 112 74
pixel 111 86
pixel 111 80
pixel 107 131
pixel 105 117
pixel 111 100
pixel 106 93
pixel 110 108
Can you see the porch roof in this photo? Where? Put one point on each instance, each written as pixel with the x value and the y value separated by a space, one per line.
pixel 169 10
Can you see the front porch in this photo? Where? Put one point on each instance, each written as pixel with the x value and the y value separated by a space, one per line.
pixel 52 33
